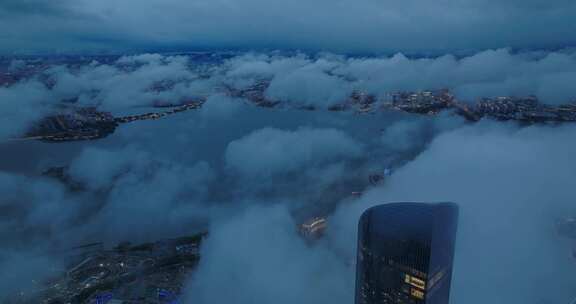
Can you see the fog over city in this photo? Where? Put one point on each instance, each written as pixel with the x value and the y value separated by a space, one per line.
pixel 250 168
pixel 300 79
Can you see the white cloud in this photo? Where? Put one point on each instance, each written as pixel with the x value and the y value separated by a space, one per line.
pixel 484 74
pixel 133 81
pixel 271 151
pixel 20 106
pixel 259 258
pixel 221 107
pixel 309 86
pixel 511 185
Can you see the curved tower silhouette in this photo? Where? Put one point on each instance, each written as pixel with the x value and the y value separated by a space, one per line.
pixel 405 253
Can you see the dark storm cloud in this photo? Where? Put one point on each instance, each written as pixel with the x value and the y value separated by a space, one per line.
pixel 347 25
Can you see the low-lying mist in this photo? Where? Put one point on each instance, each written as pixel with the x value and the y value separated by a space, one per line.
pixel 251 175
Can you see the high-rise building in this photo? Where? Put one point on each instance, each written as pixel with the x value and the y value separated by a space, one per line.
pixel 405 253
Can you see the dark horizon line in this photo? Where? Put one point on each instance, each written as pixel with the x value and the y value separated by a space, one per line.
pixel 312 52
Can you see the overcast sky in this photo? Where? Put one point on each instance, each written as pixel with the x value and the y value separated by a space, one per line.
pixel 338 26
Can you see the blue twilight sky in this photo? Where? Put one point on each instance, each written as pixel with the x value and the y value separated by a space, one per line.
pixel 335 25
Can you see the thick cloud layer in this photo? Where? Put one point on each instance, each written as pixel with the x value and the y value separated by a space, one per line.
pixel 135 80
pixel 492 73
pixel 220 106
pixel 271 151
pixel 248 173
pixel 152 191
pixel 26 271
pixel 20 106
pixel 124 192
pixel 348 25
pixel 294 81
pixel 258 257
pixel 511 185
pixel 309 86
pixel 140 187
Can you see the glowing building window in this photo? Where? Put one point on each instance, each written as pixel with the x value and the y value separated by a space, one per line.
pixel 414 281
pixel 417 293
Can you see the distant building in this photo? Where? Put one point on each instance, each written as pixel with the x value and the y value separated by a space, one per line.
pixel 405 253
pixel 313 228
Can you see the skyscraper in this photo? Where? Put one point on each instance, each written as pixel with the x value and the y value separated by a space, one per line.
pixel 405 253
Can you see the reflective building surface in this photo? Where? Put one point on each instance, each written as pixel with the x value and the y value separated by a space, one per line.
pixel 405 253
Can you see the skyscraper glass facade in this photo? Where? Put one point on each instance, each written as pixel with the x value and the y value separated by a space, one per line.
pixel 405 253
